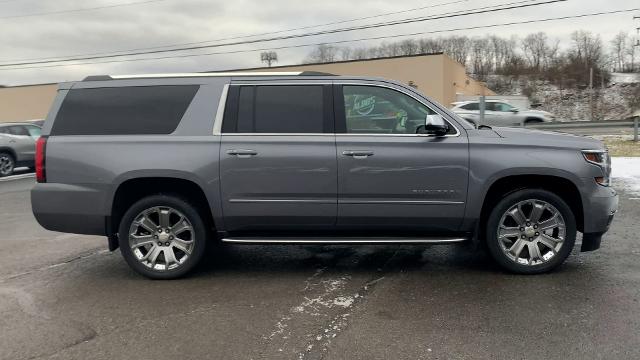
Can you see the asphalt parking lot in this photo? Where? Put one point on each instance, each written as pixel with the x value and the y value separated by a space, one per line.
pixel 66 297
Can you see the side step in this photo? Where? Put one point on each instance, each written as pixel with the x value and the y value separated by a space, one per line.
pixel 347 240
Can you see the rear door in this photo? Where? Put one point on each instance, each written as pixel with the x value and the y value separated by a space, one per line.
pixel 22 142
pixel 389 177
pixel 278 158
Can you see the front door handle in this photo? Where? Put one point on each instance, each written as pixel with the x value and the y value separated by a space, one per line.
pixel 358 154
pixel 242 153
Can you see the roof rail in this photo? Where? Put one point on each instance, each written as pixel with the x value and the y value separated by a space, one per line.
pixel 209 74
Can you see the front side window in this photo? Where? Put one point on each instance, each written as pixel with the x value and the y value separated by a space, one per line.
pixel 34 131
pixel 503 107
pixel 280 109
pixel 377 110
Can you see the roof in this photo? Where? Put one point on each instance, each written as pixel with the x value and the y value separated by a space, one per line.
pixel 218 74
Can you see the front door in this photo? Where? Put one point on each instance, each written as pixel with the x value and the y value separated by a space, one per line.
pixel 389 177
pixel 278 158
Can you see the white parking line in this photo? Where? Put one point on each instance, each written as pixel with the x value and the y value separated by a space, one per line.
pixel 17 177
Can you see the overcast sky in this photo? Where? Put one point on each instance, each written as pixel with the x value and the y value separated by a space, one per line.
pixel 165 22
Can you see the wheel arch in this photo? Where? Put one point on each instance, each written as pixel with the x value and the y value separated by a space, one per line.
pixel 10 151
pixel 128 191
pixel 564 187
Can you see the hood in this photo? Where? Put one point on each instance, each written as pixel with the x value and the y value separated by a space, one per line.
pixel 548 138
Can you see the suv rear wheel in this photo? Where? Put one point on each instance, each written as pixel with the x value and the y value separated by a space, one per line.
pixel 531 231
pixel 7 164
pixel 162 236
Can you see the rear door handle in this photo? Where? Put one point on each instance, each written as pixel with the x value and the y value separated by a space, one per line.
pixel 358 154
pixel 242 153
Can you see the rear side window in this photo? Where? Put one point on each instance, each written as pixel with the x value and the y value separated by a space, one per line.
pixel 123 110
pixel 279 109
pixel 471 106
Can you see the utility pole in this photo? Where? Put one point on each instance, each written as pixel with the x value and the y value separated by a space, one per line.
pixel 591 91
pixel 637 44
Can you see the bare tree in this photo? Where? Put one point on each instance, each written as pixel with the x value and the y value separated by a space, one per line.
pixel 535 49
pixel 322 53
pixel 269 57
pixel 346 53
pixel 429 46
pixel 457 47
pixel 408 47
pixel 619 50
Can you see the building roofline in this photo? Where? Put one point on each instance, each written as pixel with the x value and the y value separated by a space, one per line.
pixel 333 62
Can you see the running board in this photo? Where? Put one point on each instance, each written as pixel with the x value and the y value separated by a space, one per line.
pixel 349 240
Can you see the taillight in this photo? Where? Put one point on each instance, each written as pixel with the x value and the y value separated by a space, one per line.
pixel 41 147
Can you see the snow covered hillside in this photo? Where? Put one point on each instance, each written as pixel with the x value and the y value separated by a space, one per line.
pixel 571 103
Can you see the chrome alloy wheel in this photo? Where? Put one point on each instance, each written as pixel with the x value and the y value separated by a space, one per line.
pixel 161 238
pixel 531 232
pixel 6 165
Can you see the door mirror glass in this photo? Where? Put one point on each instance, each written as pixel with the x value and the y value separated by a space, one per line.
pixel 435 124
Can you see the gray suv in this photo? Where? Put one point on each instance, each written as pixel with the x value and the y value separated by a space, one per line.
pixel 17 146
pixel 163 165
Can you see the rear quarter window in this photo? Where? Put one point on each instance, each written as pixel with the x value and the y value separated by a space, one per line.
pixel 123 110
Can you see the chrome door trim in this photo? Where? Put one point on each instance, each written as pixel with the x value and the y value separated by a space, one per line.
pixel 355 240
pixel 401 202
pixel 292 201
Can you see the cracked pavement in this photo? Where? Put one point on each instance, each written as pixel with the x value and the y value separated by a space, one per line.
pixel 65 297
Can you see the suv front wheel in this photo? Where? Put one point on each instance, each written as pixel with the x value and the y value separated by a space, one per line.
pixel 531 231
pixel 162 236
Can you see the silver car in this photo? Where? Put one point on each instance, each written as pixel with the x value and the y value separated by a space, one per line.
pixel 500 113
pixel 17 146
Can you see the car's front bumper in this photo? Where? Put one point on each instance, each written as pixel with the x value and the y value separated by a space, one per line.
pixel 599 210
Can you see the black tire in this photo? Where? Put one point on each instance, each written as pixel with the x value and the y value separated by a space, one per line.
pixel 514 198
pixel 190 212
pixel 7 164
pixel 532 121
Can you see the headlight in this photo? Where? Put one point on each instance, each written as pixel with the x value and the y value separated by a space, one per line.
pixel 603 160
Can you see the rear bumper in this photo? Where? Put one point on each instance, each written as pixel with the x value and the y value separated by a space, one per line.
pixel 69 208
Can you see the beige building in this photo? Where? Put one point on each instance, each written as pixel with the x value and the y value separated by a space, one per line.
pixel 435 75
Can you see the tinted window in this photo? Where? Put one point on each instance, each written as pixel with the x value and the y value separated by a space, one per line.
pixel 280 109
pixel 471 106
pixel 18 130
pixel 502 107
pixel 377 110
pixel 123 110
pixel 4 130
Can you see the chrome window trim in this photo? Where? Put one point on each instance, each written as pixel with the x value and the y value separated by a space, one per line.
pixel 218 122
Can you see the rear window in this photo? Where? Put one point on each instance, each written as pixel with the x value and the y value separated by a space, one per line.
pixel 279 109
pixel 123 110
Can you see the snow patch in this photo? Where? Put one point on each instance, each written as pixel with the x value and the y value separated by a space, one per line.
pixel 625 172
pixel 344 301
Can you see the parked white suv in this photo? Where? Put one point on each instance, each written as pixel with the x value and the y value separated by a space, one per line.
pixel 500 113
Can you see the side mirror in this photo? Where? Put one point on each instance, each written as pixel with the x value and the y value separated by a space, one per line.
pixel 514 110
pixel 434 125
